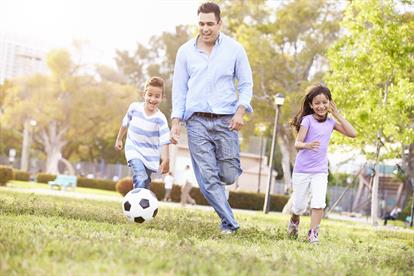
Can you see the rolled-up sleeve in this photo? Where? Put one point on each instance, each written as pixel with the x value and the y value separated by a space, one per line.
pixel 179 86
pixel 245 80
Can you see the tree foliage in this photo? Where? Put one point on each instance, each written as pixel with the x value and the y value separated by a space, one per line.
pixel 372 73
pixel 72 111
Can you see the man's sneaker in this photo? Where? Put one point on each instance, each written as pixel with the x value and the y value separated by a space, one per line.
pixel 313 236
pixel 293 229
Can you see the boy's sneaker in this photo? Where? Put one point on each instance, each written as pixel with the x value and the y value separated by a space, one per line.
pixel 313 236
pixel 227 232
pixel 293 229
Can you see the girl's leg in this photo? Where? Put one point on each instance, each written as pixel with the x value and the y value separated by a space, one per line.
pixel 316 218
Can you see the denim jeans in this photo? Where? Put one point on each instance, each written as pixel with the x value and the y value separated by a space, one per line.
pixel 141 176
pixel 215 155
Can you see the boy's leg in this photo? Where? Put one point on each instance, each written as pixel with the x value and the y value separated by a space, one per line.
pixel 140 177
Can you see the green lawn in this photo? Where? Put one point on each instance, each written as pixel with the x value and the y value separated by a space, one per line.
pixel 44 235
pixel 35 185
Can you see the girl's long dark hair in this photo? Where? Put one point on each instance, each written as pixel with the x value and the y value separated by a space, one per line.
pixel 311 92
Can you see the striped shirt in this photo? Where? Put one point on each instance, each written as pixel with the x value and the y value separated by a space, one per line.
pixel 146 135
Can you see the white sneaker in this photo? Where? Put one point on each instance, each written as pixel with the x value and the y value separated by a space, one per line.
pixel 293 229
pixel 313 236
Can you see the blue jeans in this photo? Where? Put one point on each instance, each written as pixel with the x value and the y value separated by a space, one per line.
pixel 141 176
pixel 215 155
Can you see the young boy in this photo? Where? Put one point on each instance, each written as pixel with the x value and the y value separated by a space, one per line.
pixel 148 131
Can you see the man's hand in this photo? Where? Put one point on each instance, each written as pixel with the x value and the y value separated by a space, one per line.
pixel 175 130
pixel 119 145
pixel 165 166
pixel 237 122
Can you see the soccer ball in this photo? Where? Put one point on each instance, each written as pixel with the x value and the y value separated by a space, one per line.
pixel 140 205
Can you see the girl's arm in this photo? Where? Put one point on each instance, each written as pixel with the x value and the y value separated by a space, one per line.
pixel 300 144
pixel 342 125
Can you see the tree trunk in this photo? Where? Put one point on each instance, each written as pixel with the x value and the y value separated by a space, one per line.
pixel 53 141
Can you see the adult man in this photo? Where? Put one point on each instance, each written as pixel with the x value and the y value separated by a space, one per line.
pixel 205 97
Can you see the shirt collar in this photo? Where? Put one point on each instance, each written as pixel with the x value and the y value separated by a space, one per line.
pixel 218 40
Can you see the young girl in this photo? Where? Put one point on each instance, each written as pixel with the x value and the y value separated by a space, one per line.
pixel 148 135
pixel 310 174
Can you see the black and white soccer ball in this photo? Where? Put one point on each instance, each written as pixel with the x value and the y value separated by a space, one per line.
pixel 140 205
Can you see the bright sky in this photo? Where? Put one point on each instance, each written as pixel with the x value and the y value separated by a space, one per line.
pixel 107 24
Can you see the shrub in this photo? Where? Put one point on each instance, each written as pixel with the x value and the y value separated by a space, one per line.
pixel 123 186
pixel 239 200
pixel 45 177
pixel 102 184
pixel 21 175
pixel 6 174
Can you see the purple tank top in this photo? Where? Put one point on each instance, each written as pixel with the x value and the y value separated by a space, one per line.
pixel 309 161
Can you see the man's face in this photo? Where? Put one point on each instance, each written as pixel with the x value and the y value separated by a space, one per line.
pixel 209 27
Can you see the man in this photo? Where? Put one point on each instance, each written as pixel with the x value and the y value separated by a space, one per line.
pixel 205 98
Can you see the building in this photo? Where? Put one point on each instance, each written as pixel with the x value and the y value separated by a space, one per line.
pixel 20 57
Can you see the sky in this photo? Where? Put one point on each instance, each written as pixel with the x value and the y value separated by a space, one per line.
pixel 104 25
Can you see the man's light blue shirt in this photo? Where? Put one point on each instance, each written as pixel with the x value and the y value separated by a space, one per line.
pixel 206 83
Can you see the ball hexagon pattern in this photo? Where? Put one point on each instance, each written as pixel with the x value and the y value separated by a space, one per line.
pixel 140 205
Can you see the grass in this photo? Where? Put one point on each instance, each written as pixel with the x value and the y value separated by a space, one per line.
pixel 45 235
pixel 35 185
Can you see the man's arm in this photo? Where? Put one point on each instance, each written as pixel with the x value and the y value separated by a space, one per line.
pixel 245 80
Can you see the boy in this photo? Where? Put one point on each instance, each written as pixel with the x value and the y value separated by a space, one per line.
pixel 148 131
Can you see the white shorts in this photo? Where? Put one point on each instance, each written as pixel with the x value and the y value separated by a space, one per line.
pixel 305 184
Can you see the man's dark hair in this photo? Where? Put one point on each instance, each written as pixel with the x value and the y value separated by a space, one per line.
pixel 210 7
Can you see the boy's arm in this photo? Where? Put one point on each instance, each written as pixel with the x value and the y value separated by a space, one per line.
pixel 121 133
pixel 165 159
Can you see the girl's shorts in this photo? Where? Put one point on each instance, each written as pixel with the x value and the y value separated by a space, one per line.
pixel 308 186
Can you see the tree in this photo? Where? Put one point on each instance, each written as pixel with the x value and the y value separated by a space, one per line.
pixel 286 46
pixel 71 110
pixel 372 76
pixel 157 59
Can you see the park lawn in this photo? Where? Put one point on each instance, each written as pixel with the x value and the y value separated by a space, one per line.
pixel 36 185
pixel 44 235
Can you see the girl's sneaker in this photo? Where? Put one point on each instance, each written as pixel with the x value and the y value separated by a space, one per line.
pixel 293 228
pixel 313 236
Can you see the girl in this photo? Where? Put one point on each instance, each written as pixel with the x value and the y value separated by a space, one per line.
pixel 310 173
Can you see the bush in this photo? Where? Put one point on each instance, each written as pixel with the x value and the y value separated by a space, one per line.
pixel 21 175
pixel 6 174
pixel 102 184
pixel 239 200
pixel 123 186
pixel 45 177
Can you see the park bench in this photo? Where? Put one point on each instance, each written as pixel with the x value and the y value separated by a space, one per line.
pixel 63 181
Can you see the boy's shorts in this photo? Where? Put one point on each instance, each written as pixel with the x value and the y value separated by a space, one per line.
pixel 305 185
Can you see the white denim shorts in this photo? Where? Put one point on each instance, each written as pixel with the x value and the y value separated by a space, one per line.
pixel 307 186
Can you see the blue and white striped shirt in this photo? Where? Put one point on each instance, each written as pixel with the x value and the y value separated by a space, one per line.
pixel 206 83
pixel 146 135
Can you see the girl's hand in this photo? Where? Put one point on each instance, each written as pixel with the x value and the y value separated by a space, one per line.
pixel 332 108
pixel 313 145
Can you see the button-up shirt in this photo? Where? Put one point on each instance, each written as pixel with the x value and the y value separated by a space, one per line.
pixel 206 83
